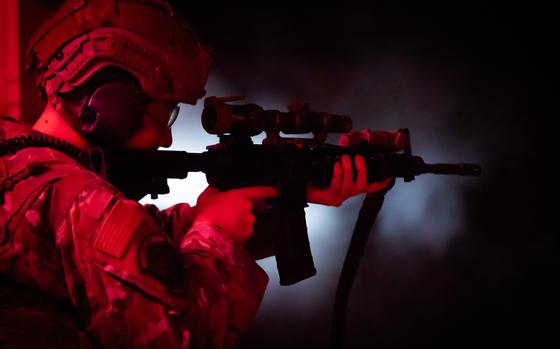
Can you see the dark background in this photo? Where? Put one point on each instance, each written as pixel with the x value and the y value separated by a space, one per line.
pixel 465 79
pixel 493 282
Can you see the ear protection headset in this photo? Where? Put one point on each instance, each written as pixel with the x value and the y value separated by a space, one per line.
pixel 112 112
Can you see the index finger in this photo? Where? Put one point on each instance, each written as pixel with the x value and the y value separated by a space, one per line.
pixel 209 191
pixel 257 192
pixel 206 194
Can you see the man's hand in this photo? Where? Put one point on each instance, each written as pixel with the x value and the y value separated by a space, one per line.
pixel 343 186
pixel 231 209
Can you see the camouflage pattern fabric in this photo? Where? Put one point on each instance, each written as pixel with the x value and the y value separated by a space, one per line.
pixel 116 273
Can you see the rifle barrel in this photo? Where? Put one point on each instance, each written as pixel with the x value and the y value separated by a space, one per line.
pixel 453 169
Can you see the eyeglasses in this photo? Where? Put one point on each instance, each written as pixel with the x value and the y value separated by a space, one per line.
pixel 164 113
pixel 173 114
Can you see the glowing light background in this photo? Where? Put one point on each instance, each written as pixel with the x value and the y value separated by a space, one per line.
pixel 419 216
pixel 450 257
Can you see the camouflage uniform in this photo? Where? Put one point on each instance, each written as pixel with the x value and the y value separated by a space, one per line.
pixel 81 265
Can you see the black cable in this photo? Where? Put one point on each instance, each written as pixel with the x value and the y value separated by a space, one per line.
pixel 12 145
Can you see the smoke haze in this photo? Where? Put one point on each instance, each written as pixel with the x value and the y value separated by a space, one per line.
pixel 449 256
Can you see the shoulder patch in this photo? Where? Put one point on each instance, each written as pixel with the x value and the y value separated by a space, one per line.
pixel 118 229
pixel 159 258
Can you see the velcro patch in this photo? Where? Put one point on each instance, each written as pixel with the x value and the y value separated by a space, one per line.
pixel 159 258
pixel 118 229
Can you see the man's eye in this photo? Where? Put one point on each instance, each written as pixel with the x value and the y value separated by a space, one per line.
pixel 173 116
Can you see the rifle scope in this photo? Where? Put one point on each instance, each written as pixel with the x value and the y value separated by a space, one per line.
pixel 251 119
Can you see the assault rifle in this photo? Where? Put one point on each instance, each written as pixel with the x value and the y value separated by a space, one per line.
pixel 290 164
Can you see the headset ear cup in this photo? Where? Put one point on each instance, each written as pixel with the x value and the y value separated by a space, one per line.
pixel 113 113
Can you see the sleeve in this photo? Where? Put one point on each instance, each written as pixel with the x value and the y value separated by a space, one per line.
pixel 134 288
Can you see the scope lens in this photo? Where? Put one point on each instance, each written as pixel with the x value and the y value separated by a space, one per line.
pixel 209 119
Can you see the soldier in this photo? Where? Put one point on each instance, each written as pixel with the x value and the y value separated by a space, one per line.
pixel 83 266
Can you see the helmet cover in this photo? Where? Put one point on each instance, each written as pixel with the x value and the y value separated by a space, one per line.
pixel 143 37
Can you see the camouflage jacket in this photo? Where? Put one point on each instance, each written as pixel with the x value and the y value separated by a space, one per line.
pixel 81 265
